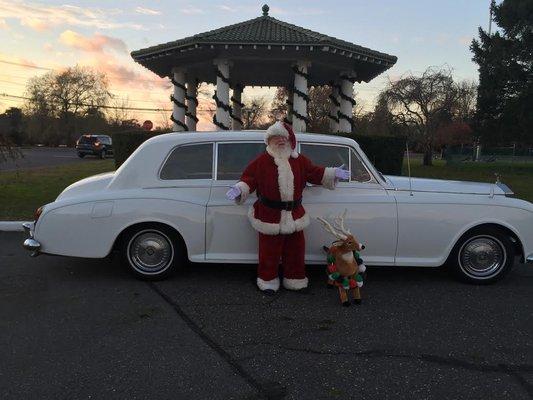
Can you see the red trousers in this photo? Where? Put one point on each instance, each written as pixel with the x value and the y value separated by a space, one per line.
pixel 289 249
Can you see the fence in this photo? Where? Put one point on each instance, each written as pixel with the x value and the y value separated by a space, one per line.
pixel 481 153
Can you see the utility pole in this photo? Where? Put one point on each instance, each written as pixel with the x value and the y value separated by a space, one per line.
pixel 492 5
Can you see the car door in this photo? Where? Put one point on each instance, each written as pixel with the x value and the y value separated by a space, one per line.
pixel 185 178
pixel 371 211
pixel 229 235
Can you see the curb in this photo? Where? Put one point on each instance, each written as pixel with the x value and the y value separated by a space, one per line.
pixel 12 226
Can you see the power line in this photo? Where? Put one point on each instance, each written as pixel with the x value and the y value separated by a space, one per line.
pixel 25 65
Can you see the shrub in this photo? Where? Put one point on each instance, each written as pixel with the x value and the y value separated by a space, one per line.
pixel 126 142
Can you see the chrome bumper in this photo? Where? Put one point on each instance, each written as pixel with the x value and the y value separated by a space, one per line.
pixel 529 259
pixel 31 244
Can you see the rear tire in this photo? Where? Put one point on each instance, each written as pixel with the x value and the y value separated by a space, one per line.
pixel 152 252
pixel 103 154
pixel 482 256
pixel 81 155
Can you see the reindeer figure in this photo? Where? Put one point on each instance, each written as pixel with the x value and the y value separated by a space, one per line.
pixel 344 270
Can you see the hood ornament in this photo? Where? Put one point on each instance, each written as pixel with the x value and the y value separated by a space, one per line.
pixel 497 175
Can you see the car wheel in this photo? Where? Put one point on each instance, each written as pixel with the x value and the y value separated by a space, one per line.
pixel 102 154
pixel 483 255
pixel 81 155
pixel 152 253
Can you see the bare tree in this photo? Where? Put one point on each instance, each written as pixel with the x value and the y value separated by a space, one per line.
pixel 68 95
pixel 254 113
pixel 424 103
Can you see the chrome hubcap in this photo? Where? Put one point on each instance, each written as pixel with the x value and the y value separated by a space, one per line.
pixel 482 257
pixel 150 252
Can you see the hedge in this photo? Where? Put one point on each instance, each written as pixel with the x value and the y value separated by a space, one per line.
pixel 385 152
pixel 125 143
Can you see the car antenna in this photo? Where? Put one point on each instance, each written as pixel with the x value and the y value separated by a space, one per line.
pixel 409 167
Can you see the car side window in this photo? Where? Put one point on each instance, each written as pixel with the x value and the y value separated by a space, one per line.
pixel 359 172
pixel 234 157
pixel 189 162
pixel 327 155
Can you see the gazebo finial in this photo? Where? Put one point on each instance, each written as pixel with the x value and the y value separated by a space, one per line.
pixel 265 10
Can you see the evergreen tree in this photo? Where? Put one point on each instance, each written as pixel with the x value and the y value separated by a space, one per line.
pixel 505 95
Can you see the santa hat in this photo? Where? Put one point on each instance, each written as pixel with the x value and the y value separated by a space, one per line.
pixel 283 129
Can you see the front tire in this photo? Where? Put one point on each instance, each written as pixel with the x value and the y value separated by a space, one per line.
pixel 103 154
pixel 151 252
pixel 81 155
pixel 483 255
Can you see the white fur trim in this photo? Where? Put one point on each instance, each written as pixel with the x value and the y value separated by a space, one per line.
pixel 362 268
pixel 286 226
pixel 348 257
pixel 294 154
pixel 328 179
pixel 359 284
pixel 285 176
pixel 245 192
pixel 295 284
pixel 268 285
pixel 277 129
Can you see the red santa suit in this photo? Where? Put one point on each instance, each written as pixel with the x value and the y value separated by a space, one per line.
pixel 279 181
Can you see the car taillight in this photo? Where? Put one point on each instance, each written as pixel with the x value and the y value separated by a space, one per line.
pixel 37 214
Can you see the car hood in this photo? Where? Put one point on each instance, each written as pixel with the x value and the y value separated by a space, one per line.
pixel 446 186
pixel 87 185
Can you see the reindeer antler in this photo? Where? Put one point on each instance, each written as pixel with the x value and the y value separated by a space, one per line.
pixel 339 223
pixel 330 229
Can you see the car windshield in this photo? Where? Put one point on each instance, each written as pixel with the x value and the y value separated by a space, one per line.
pixel 88 139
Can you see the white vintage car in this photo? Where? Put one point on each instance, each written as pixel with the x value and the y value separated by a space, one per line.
pixel 167 203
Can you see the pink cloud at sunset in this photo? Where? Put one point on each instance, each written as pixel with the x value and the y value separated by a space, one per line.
pixel 40 17
pixel 96 43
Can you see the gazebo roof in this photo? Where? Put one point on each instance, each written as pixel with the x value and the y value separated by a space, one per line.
pixel 273 40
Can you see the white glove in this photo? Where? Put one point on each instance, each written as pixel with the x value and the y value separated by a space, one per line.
pixel 342 173
pixel 233 193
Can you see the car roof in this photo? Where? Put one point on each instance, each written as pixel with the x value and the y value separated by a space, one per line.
pixel 218 136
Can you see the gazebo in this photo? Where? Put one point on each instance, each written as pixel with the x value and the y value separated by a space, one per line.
pixel 263 51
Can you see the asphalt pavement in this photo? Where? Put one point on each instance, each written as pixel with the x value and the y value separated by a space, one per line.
pixel 36 157
pixel 81 328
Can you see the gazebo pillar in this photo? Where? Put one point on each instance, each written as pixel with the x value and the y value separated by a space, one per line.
pixel 237 106
pixel 300 97
pixel 346 102
pixel 334 107
pixel 290 105
pixel 222 118
pixel 178 100
pixel 192 102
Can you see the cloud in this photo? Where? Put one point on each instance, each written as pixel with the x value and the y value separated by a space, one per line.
pixel 147 11
pixel 41 17
pixel 48 47
pixel 96 43
pixel 465 40
pixel 190 10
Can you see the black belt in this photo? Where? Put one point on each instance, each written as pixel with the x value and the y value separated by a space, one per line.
pixel 280 205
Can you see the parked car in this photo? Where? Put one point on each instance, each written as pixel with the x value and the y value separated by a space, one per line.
pixel 97 145
pixel 167 204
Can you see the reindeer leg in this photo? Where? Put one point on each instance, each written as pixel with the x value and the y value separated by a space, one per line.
pixel 344 297
pixel 356 293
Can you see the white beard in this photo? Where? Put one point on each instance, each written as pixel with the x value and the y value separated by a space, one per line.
pixel 284 152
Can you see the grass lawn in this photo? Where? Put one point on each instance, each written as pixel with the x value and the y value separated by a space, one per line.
pixel 22 192
pixel 518 176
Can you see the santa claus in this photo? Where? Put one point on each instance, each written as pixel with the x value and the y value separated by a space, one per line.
pixel 279 176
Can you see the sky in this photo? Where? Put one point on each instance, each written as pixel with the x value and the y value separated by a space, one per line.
pixel 54 34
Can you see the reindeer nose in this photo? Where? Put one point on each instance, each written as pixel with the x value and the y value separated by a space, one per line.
pixel 362 247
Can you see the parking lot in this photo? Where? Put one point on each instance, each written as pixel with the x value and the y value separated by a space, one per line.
pixel 81 328
pixel 37 157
